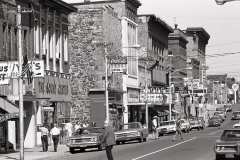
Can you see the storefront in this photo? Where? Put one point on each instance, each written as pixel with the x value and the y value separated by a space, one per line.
pixel 53 100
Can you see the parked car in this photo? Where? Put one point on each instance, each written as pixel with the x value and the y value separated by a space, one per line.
pixel 82 138
pixel 185 125
pixel 214 121
pixel 131 131
pixel 227 146
pixel 219 113
pixel 236 125
pixel 228 107
pixel 236 115
pixel 223 110
pixel 166 127
pixel 196 123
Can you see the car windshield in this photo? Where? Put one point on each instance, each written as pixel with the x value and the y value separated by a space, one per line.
pixel 214 118
pixel 129 126
pixel 87 131
pixel 236 126
pixel 220 109
pixel 236 112
pixel 167 123
pixel 229 134
pixel 217 113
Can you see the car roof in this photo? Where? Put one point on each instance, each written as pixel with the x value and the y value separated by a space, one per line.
pixel 238 124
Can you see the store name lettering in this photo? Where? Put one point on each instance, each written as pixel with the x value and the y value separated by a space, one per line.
pixel 52 89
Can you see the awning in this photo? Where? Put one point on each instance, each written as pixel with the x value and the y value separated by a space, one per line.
pixel 8 106
pixel 11 108
pixel 175 111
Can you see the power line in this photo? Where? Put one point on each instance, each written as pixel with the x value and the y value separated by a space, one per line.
pixel 223 44
pixel 201 17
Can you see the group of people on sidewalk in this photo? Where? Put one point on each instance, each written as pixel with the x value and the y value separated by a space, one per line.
pixel 155 133
pixel 55 132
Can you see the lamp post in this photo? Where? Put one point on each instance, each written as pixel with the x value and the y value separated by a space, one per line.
pixel 170 92
pixel 105 44
pixel 221 2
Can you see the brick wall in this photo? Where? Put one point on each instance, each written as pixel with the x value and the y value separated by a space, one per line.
pixel 88 27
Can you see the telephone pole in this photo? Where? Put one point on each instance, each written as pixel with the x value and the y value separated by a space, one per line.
pixel 20 80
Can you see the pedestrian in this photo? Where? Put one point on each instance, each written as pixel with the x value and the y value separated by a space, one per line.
pixel 55 132
pixel 154 128
pixel 178 130
pixel 68 128
pixel 44 137
pixel 77 125
pixel 108 139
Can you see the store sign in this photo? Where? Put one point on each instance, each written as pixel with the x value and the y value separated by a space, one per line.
pixel 153 96
pixel 48 109
pixel 10 69
pixel 181 90
pixel 133 95
pixel 118 65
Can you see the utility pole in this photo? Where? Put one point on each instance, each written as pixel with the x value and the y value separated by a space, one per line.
pixel 106 81
pixel 20 83
pixel 146 94
pixel 20 80
pixel 170 96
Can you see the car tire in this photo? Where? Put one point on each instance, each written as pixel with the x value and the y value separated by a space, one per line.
pixel 219 157
pixel 160 134
pixel 123 142
pixel 118 143
pixel 83 149
pixel 71 149
pixel 140 139
pixel 100 147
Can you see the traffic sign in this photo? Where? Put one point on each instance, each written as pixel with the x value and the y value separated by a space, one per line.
pixel 235 87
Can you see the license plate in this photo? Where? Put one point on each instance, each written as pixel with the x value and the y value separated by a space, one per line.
pixel 82 145
pixel 229 155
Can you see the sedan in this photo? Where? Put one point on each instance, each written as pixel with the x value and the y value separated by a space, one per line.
pixel 236 115
pixel 82 138
pixel 214 121
pixel 228 107
pixel 130 132
pixel 227 146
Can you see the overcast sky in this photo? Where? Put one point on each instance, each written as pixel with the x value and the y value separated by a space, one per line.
pixel 221 22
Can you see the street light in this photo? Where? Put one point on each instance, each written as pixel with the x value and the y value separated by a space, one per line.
pixel 170 92
pixel 137 47
pixel 221 2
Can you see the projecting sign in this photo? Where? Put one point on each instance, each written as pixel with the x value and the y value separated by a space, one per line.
pixel 118 65
pixel 235 87
pixel 10 69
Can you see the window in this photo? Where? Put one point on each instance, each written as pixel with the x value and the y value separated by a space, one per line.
pixel 36 38
pixel 44 48
pixel 50 42
pixel 65 46
pixel 132 63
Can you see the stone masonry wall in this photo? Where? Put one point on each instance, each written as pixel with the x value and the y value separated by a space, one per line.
pixel 89 27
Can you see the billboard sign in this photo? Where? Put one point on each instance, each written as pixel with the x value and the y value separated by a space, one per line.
pixel 10 69
pixel 181 90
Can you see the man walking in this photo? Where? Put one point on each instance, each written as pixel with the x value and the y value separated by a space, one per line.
pixel 154 128
pixel 44 137
pixel 108 139
pixel 55 132
pixel 178 130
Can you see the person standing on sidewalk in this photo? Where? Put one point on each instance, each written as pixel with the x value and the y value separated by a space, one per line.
pixel 44 137
pixel 154 128
pixel 178 130
pixel 108 139
pixel 55 132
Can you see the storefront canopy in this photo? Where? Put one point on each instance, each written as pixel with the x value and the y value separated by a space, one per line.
pixel 11 108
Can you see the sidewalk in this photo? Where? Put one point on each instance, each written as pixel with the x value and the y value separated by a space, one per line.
pixel 37 153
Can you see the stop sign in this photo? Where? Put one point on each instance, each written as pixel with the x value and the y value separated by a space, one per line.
pixel 235 87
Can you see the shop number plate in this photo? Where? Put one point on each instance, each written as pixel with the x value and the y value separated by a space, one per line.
pixel 229 155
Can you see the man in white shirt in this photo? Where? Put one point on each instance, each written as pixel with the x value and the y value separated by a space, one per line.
pixel 44 137
pixel 154 127
pixel 55 132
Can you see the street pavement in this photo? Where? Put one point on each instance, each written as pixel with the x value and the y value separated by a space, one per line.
pixel 198 145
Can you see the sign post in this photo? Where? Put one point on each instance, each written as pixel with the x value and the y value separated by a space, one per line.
pixel 235 88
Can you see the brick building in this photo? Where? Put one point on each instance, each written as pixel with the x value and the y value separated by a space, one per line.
pixel 45 42
pixel 93 24
pixel 153 35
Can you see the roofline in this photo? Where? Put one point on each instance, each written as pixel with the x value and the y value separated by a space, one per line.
pixel 198 29
pixel 168 27
pixel 138 3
